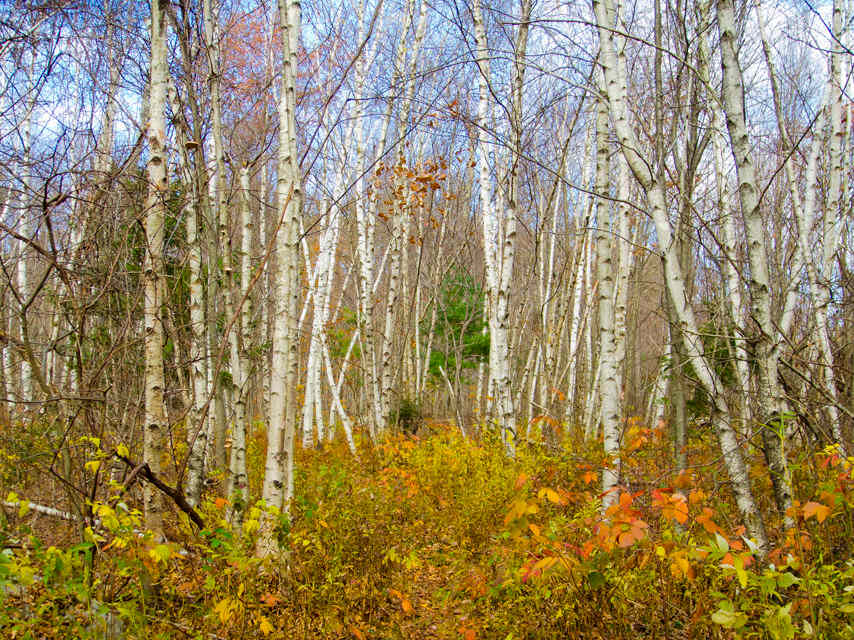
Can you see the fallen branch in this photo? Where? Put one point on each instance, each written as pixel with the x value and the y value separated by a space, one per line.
pixel 40 508
pixel 142 469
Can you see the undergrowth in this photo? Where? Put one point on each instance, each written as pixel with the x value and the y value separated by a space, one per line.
pixel 444 537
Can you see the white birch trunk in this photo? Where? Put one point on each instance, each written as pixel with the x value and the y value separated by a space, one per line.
pixel 608 381
pixel 580 280
pixel 760 286
pixel 401 213
pixel 614 71
pixel 155 414
pixel 240 332
pixel 658 396
pixel 277 488
pixel 805 211
pixel 197 432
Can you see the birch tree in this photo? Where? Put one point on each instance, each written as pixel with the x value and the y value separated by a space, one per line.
pixel 499 222
pixel 610 391
pixel 614 70
pixel 154 219
pixel 817 271
pixel 277 489
pixel 766 342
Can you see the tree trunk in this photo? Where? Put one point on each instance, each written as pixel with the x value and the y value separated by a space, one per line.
pixel 154 218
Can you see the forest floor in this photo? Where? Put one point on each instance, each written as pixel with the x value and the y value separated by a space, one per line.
pixel 444 537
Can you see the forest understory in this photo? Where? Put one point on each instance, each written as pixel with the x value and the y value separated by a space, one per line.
pixel 439 536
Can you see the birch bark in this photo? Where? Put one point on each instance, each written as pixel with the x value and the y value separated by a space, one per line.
pixel 817 279
pixel 401 213
pixel 499 223
pixel 580 280
pixel 609 385
pixel 196 431
pixel 760 287
pixel 614 70
pixel 154 217
pixel 277 488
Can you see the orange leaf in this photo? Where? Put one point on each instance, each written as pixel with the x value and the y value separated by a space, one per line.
pixel 816 509
pixel 270 599
pixel 696 495
pixel 520 481
pixel 684 479
pixel 676 509
pixel 626 539
pixel 357 632
pixel 705 519
pixel 406 605
pixel 586 549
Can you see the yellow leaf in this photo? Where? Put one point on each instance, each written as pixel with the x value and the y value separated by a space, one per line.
pixel 93 466
pixel 550 494
pixel 250 526
pixel 545 563
pixel 738 563
pixel 160 553
pixel 123 451
pixel 224 609
pixel 264 626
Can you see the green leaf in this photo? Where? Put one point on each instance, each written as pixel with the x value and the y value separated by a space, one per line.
pixel 729 619
pixel 786 580
pixel 779 623
pixel 596 580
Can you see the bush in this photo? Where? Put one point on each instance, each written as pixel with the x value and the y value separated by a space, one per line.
pixel 407 416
